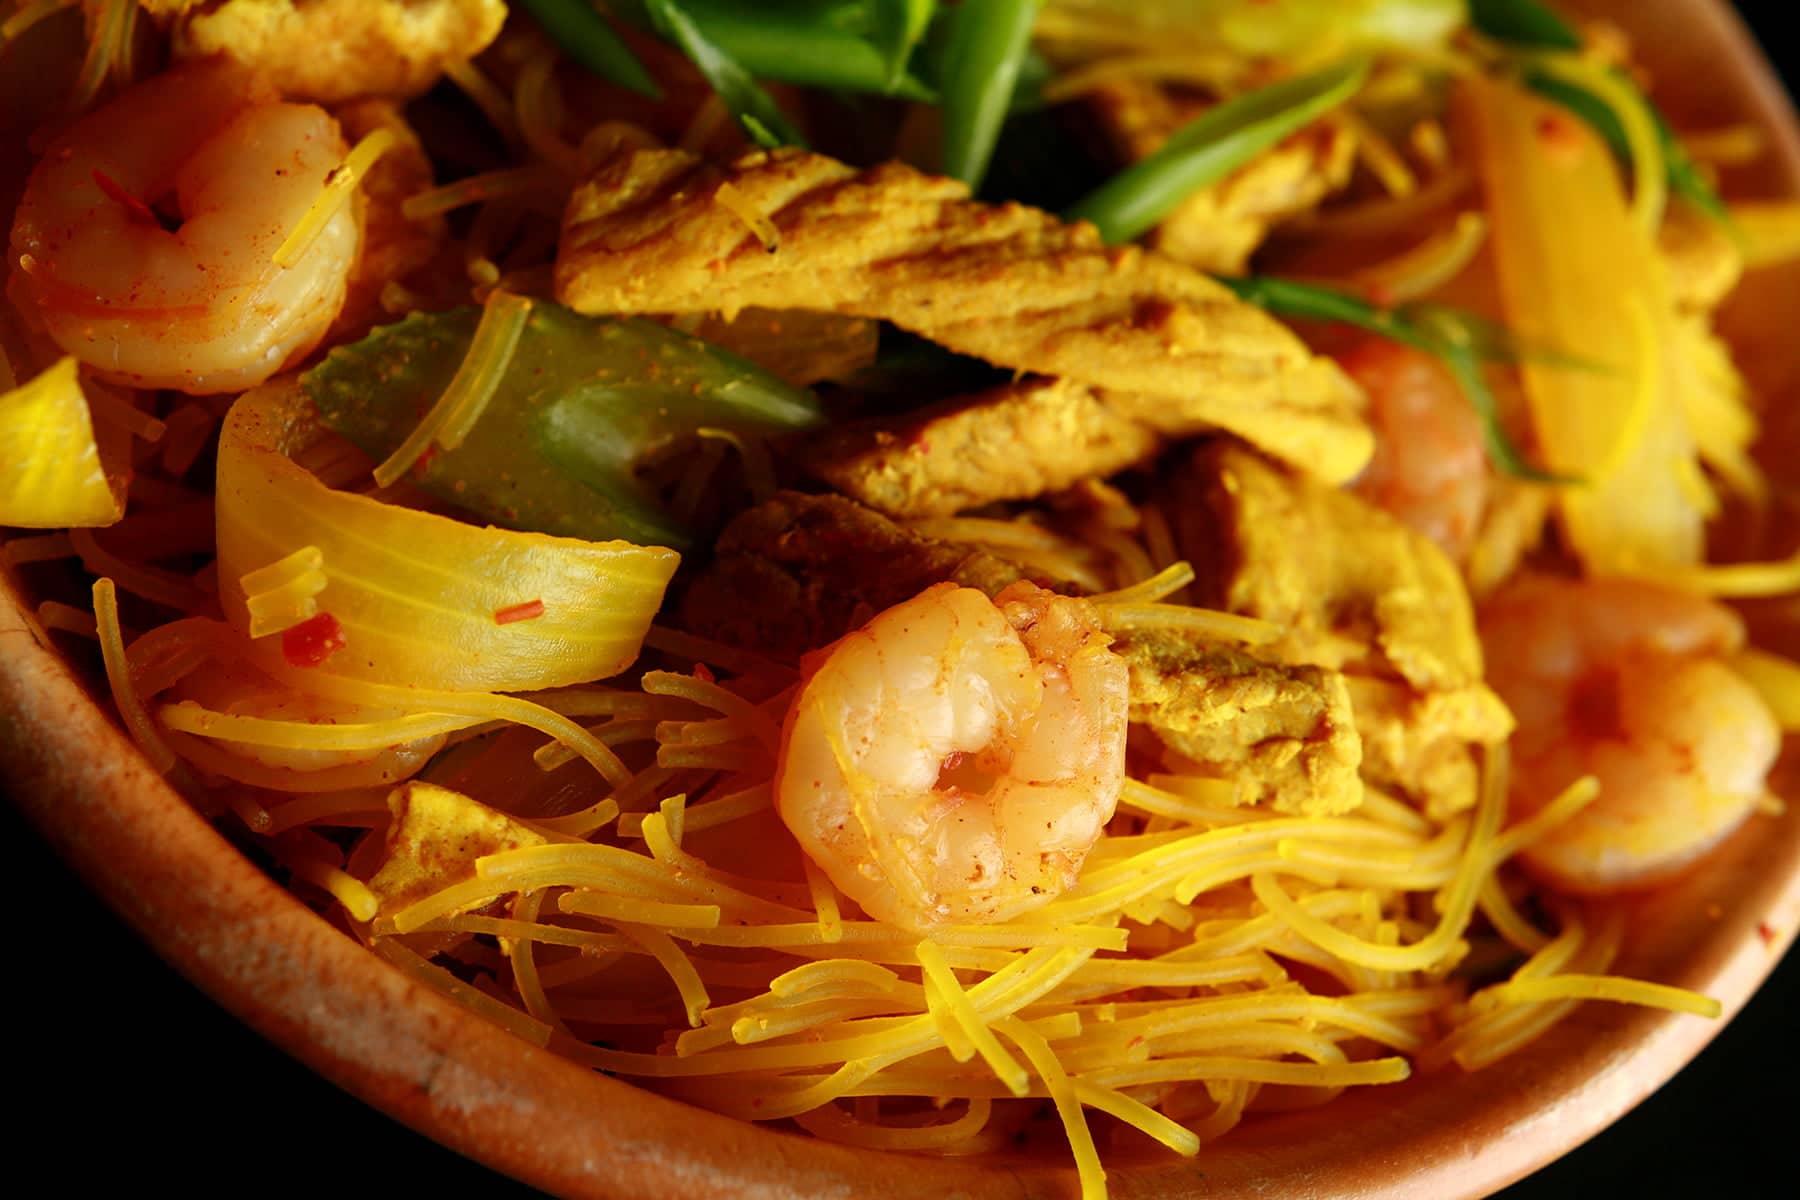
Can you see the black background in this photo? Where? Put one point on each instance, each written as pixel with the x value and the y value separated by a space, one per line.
pixel 176 1093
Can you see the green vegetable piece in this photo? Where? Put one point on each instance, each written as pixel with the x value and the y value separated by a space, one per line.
pixel 899 24
pixel 825 45
pixel 1523 22
pixel 1458 340
pixel 986 43
pixel 754 108
pixel 1035 74
pixel 1212 146
pixel 582 401
pixel 585 37
pixel 815 43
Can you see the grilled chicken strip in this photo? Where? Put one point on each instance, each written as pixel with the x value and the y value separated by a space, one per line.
pixel 1011 442
pixel 663 231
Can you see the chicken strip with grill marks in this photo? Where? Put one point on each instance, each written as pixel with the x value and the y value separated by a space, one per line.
pixel 1005 283
pixel 1011 442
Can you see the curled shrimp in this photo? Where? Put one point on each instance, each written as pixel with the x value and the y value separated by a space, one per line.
pixel 202 306
pixel 956 758
pixel 1430 464
pixel 1625 681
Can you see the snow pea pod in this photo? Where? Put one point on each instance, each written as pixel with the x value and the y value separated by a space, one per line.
pixel 581 402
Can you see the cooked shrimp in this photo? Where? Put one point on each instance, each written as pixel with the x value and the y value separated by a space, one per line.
pixel 1625 681
pixel 1430 465
pixel 202 307
pixel 956 758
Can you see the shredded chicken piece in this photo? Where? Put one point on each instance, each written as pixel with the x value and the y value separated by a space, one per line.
pixel 1005 283
pixel 1368 596
pixel 1368 592
pixel 1218 228
pixel 1011 442
pixel 1420 742
pixel 336 50
pixel 434 839
pixel 1517 511
pixel 1283 733
pixel 799 571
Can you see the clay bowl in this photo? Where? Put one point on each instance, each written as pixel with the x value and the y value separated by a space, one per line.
pixel 279 969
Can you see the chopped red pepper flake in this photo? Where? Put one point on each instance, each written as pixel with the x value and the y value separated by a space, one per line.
pixel 527 611
pixel 117 194
pixel 311 642
pixel 1560 138
pixel 1766 932
pixel 703 673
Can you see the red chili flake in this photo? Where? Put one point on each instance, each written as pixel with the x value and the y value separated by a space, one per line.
pixel 703 673
pixel 1561 139
pixel 118 195
pixel 530 610
pixel 1766 932
pixel 432 450
pixel 311 642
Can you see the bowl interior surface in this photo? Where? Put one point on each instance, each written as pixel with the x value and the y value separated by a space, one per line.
pixel 448 1074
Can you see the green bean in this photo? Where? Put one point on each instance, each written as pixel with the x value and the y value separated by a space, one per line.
pixel 987 41
pixel 1458 340
pixel 585 37
pixel 1211 147
pixel 1526 22
pixel 813 43
pixel 754 108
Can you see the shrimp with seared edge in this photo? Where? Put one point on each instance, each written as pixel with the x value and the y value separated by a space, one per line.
pixel 1626 681
pixel 957 757
pixel 203 306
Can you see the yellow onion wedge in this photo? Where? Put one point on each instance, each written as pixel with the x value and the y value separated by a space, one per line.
pixel 50 471
pixel 1577 270
pixel 416 598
